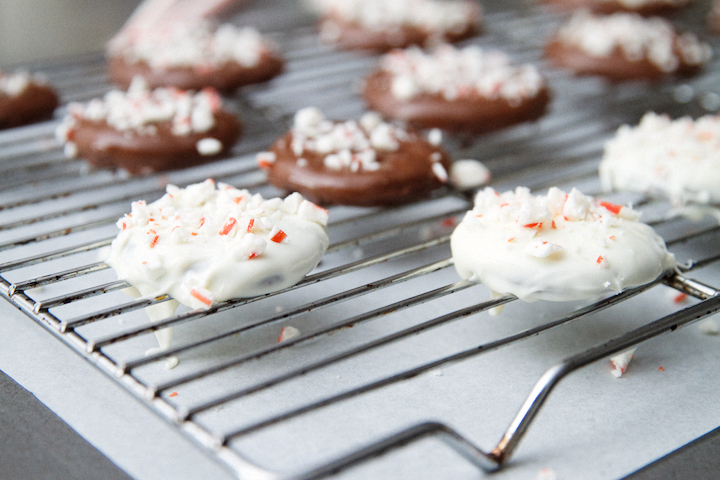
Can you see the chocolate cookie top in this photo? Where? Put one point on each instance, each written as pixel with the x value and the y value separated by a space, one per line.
pixel 381 25
pixel 634 47
pixel 366 162
pixel 144 129
pixel 24 99
pixel 643 7
pixel 460 89
pixel 193 56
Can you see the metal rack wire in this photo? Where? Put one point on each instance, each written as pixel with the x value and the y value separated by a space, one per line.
pixel 360 307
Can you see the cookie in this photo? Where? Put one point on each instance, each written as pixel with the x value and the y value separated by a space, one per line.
pixel 469 89
pixel 366 163
pixel 557 247
pixel 191 57
pixel 24 99
pixel 626 46
pixel 642 7
pixel 206 244
pixel 380 25
pixel 144 130
pixel 675 159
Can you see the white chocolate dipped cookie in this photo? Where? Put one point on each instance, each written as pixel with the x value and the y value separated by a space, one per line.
pixel 556 247
pixel 204 245
pixel 678 159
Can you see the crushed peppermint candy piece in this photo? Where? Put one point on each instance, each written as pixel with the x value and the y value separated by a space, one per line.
pixel 637 37
pixel 209 243
pixel 469 174
pixel 14 84
pixel 287 333
pixel 440 172
pixel 209 146
pixel 621 361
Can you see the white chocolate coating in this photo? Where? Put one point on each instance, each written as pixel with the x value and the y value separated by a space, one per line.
pixel 678 159
pixel 636 37
pixel 204 245
pixel 556 247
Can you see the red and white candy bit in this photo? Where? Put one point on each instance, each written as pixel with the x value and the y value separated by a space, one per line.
pixel 265 159
pixel 621 361
pixel 310 211
pixel 277 235
pixel 287 333
pixel 440 172
pixel 202 295
pixel 611 207
pixel 229 225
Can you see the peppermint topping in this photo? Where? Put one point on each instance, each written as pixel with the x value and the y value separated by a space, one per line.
pixel 205 243
pixel 15 83
pixel 351 145
pixel 468 174
pixel 431 15
pixel 458 74
pixel 532 215
pixel 680 158
pixel 196 44
pixel 209 146
pixel 638 38
pixel 140 109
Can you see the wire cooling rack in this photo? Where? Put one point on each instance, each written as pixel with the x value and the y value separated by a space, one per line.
pixel 384 318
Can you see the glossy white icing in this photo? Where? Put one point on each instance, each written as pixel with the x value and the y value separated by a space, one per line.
pixel 556 247
pixel 678 159
pixel 204 245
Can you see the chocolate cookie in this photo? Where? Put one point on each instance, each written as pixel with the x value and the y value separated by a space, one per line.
pixel 630 47
pixel 142 131
pixel 643 7
pixel 365 163
pixel 380 25
pixel 468 90
pixel 23 100
pixel 194 57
